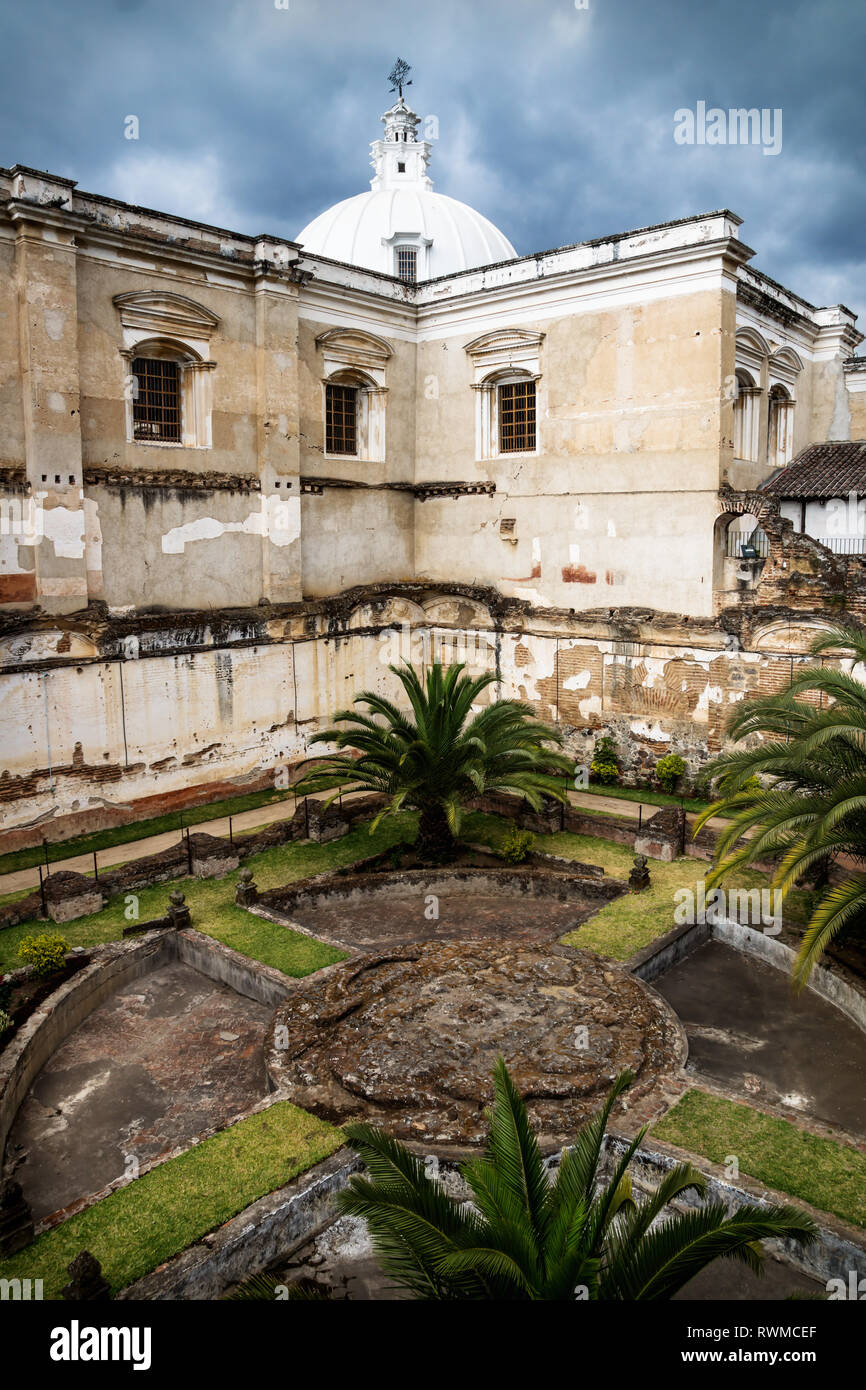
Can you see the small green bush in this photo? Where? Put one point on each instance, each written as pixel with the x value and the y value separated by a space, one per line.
pixel 5 1020
pixel 516 845
pixel 605 761
pixel 669 770
pixel 45 953
pixel 607 773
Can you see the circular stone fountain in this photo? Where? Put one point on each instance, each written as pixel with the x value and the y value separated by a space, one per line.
pixel 407 1039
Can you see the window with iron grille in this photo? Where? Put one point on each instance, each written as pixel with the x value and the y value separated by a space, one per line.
pixel 517 417
pixel 407 263
pixel 156 400
pixel 341 419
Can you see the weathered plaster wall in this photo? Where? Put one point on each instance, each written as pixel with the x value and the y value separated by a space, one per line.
pixel 202 548
pixel 88 732
pixel 617 505
pixel 355 536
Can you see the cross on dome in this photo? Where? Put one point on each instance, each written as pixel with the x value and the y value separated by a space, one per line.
pixel 402 227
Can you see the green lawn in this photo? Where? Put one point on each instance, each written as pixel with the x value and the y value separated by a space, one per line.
pixel 211 902
pixel 830 1176
pixel 134 1229
pixel 618 930
pixel 634 920
pixel 693 805
pixel 138 830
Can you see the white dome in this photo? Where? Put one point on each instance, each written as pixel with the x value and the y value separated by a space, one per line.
pixel 361 231
pixel 402 211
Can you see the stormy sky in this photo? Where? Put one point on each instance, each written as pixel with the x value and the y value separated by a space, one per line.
pixel 556 119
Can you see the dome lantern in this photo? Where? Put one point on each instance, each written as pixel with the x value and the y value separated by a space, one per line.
pixel 402 227
pixel 400 158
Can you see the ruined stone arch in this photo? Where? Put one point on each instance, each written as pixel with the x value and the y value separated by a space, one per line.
pixel 732 574
pixel 784 635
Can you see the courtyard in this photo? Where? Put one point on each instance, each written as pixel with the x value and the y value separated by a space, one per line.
pixel 394 1013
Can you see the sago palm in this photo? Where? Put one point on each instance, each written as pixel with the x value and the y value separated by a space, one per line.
pixel 526 1234
pixel 812 809
pixel 437 755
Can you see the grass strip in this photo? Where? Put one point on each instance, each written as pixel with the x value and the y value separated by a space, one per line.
pixel 827 1175
pixel 155 1217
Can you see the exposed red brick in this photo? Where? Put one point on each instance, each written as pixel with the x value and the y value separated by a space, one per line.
pixel 18 588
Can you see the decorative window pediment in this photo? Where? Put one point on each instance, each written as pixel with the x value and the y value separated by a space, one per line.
pixel 351 347
pixel 506 369
pixel 506 349
pixel 785 366
pixel 356 361
pixel 160 313
pixel 752 351
pixel 167 370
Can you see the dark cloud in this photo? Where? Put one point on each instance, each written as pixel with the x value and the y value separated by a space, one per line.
pixel 557 122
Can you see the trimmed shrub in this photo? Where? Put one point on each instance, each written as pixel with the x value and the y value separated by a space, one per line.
pixel 45 953
pixel 604 767
pixel 516 845
pixel 606 773
pixel 669 770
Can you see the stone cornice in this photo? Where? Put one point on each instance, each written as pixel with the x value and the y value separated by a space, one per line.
pixel 170 479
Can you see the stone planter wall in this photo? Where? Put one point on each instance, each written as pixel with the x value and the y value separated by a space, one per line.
pixel 111 968
pixel 257 1237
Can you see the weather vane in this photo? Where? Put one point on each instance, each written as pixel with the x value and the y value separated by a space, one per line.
pixel 399 76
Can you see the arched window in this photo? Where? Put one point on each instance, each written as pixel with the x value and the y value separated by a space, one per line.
pixel 746 417
pixel 167 369
pixel 506 366
pixel 168 395
pixel 354 416
pixel 355 393
pixel 780 427
pixel 156 400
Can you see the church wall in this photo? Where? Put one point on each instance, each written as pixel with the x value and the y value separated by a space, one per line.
pixel 199 549
pixel 353 536
pixel 618 505
pixel 12 447
pixel 857 407
pixel 398 463
pixel 103 370
pixel 361 534
pixel 153 525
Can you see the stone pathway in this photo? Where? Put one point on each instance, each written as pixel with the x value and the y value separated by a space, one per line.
pixel 22 879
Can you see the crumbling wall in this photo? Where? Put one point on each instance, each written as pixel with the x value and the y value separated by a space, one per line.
pixel 147 712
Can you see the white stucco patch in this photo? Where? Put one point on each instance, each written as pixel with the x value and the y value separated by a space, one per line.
pixel 282 517
pixel 54 322
pixel 55 402
pixel 655 733
pixel 93 534
pixel 279 519
pixel 579 682
pixel 64 527
pixel 590 706
pixel 711 694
